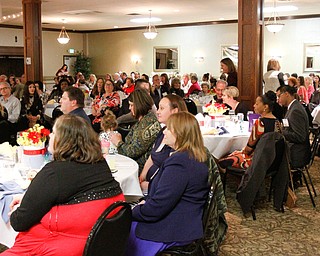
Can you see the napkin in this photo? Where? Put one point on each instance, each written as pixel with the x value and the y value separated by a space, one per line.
pixel 7 150
pixel 7 190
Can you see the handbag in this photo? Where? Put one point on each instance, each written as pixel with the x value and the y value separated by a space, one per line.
pixel 291 197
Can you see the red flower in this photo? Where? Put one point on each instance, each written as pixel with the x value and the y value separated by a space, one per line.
pixel 45 132
pixel 34 136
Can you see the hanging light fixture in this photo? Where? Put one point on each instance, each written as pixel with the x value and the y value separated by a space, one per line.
pixel 151 31
pixel 63 37
pixel 274 24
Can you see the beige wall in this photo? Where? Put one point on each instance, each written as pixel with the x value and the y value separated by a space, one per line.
pixel 52 51
pixel 112 51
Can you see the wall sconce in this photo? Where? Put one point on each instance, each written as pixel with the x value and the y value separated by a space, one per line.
pixel 199 59
pixel 135 59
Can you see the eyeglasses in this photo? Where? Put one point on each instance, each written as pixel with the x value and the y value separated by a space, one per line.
pixel 4 88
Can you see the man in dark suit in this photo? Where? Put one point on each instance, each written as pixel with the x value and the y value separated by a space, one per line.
pixel 296 127
pixel 72 102
pixel 159 90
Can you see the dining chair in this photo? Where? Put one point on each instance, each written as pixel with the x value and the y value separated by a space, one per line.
pixel 213 219
pixel 252 178
pixel 305 169
pixel 110 233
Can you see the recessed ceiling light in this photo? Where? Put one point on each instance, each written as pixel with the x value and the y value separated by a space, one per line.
pixel 221 18
pixel 288 8
pixel 115 26
pixel 145 20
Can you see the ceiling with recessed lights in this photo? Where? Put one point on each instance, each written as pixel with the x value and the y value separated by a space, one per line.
pixel 109 14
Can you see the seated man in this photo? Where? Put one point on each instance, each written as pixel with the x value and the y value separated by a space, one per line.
pixel 296 127
pixel 13 106
pixel 72 102
pixel 221 85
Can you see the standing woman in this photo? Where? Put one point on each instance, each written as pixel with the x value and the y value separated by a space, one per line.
pixel 138 143
pixel 168 105
pixel 31 107
pixel 172 212
pixel 67 196
pixel 229 68
pixel 273 78
pixel 316 82
pixel 302 90
pixel 109 100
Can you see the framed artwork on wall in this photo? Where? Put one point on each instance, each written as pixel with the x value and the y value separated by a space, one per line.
pixel 230 51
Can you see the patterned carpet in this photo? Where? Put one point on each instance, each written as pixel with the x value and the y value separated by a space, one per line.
pixel 296 232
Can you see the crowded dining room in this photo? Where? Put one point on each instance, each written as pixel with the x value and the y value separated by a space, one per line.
pixel 147 128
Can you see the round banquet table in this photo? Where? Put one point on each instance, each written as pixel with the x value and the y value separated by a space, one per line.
pixel 124 170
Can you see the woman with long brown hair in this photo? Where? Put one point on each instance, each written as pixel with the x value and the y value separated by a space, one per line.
pixel 67 196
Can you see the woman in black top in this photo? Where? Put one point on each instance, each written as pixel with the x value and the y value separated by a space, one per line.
pixel 67 196
pixel 31 107
pixel 266 123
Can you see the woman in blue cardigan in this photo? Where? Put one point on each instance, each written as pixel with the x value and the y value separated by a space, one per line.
pixel 172 212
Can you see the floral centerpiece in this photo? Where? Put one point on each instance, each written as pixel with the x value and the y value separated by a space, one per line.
pixel 33 148
pixel 214 108
pixel 34 136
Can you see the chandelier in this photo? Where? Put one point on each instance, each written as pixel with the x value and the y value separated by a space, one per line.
pixel 63 37
pixel 274 24
pixel 151 31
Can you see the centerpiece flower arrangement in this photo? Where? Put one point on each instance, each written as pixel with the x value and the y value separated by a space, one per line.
pixel 214 108
pixel 34 136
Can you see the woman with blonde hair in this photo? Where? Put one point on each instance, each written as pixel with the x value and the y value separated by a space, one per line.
pixel 67 196
pixel 229 97
pixel 172 212
pixel 273 78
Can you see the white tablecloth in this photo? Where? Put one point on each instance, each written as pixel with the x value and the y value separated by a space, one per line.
pixel 126 174
pixel 50 107
pixel 220 145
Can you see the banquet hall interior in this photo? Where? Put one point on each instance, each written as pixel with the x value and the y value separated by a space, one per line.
pixel 200 34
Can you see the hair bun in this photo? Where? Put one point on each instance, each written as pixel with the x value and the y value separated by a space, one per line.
pixel 271 96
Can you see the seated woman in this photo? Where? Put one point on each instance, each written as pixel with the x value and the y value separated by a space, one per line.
pixel 67 196
pixel 172 212
pixel 109 100
pixel 139 141
pixel 168 105
pixel 31 107
pixel 176 87
pixel 229 96
pixel 58 91
pixel 98 89
pixel 266 123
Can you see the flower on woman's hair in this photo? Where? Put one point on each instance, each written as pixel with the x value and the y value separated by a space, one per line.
pixel 34 136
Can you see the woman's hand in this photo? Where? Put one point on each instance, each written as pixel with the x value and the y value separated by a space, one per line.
pixel 115 139
pixel 15 203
